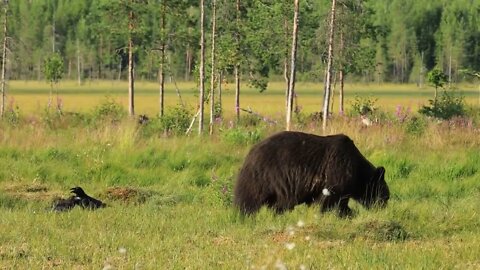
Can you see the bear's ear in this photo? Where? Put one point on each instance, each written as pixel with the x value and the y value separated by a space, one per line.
pixel 380 173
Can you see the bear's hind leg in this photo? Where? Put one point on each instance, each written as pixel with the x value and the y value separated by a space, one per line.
pixel 328 203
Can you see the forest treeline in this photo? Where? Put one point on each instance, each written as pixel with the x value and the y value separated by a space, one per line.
pixel 375 40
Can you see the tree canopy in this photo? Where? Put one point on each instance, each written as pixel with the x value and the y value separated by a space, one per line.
pixel 384 40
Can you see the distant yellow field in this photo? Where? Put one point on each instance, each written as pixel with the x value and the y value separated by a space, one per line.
pixel 32 96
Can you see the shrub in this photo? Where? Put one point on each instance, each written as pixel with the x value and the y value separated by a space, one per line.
pixel 109 110
pixel 363 106
pixel 239 136
pixel 175 121
pixel 447 106
pixel 12 116
pixel 250 120
pixel 416 126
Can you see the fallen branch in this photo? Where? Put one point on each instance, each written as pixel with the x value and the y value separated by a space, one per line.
pixel 191 123
pixel 177 90
pixel 250 111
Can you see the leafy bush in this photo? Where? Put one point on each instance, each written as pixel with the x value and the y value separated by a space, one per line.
pixel 63 120
pixel 239 136
pixel 175 121
pixel 416 126
pixel 250 120
pixel 109 110
pixel 447 106
pixel 12 116
pixel 363 106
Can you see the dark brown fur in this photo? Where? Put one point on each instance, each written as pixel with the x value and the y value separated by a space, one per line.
pixel 291 168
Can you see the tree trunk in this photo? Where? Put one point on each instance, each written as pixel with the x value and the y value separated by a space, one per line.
pixel 212 74
pixel 79 73
pixel 450 68
pixel 202 67
pixel 161 72
pixel 291 85
pixel 341 78
pixel 332 91
pixel 341 75
pixel 285 62
pixel 220 79
pixel 328 77
pixel 4 59
pixel 131 70
pixel 237 92
pixel 131 78
pixel 237 65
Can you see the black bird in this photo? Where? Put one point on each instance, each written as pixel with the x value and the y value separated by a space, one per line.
pixel 85 201
pixel 61 205
pixel 143 119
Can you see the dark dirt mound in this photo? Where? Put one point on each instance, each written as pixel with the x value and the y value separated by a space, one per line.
pixel 128 195
pixel 382 231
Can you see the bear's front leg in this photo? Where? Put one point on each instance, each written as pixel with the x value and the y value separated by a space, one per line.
pixel 343 210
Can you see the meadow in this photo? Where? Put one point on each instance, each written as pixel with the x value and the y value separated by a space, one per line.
pixel 170 197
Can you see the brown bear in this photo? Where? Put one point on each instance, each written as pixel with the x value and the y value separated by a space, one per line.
pixel 291 168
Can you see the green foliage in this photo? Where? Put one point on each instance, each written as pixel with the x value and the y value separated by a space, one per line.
pixel 437 78
pixel 416 126
pixel 363 106
pixel 447 106
pixel 241 136
pixel 109 110
pixel 53 69
pixel 382 40
pixel 175 121
pixel 12 116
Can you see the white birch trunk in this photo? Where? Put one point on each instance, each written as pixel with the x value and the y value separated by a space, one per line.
pixel 291 85
pixel 202 67
pixel 328 76
pixel 4 60
pixel 212 74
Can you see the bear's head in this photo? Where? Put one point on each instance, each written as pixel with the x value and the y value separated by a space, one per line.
pixel 376 192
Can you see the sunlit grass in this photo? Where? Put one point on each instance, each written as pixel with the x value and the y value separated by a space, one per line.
pixel 32 96
pixel 183 218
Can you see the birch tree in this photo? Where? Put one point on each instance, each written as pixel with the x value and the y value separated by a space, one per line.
pixel 4 56
pixel 212 74
pixel 202 68
pixel 328 76
pixel 237 63
pixel 291 80
pixel 161 71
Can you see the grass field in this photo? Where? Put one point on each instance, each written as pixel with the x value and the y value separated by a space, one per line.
pixel 170 198
pixel 32 96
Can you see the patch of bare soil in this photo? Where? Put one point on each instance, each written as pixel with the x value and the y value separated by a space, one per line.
pixel 31 192
pixel 127 195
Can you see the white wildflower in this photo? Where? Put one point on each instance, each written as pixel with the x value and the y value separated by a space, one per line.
pixel 300 223
pixel 290 230
pixel 326 192
pixel 280 265
pixel 290 246
pixel 107 266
